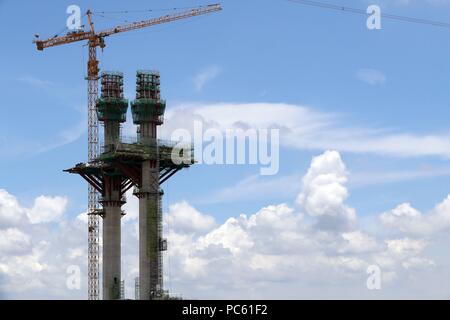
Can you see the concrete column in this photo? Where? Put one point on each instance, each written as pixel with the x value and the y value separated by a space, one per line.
pixel 111 253
pixel 148 247
pixel 111 224
pixel 149 219
pixel 111 239
pixel 112 132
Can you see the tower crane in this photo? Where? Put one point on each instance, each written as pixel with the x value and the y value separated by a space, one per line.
pixel 97 39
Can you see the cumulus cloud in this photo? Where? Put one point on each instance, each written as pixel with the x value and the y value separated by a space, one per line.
pixel 10 211
pixel 279 251
pixel 276 253
pixel 47 209
pixel 12 241
pixel 44 209
pixel 408 220
pixel 187 219
pixel 36 247
pixel 357 242
pixel 284 253
pixel 324 192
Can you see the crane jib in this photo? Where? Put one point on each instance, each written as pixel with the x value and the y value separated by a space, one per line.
pixel 41 44
pixel 51 42
pixel 160 20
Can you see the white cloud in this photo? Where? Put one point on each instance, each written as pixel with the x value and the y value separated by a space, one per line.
pixel 64 137
pixel 357 242
pixel 47 209
pixel 36 82
pixel 230 235
pixel 276 252
pixel 12 147
pixel 361 179
pixel 254 187
pixel 186 219
pixel 13 240
pixel 408 220
pixel 419 263
pixel 371 76
pixel 35 253
pixel 324 192
pixel 305 128
pixel 44 209
pixel 405 247
pixel 272 188
pixel 131 208
pixel 205 76
pixel 411 2
pixel 10 210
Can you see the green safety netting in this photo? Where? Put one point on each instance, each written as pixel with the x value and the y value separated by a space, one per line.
pixel 147 109
pixel 112 109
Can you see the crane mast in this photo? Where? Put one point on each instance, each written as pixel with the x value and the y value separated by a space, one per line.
pixel 93 152
pixel 96 39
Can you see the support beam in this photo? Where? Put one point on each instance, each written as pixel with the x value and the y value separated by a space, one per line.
pixel 161 181
pixel 127 186
pixel 130 173
pixel 93 182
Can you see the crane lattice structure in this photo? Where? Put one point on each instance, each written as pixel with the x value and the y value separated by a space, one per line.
pixel 96 39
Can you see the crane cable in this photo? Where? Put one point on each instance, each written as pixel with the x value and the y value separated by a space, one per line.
pixel 110 18
pixel 325 5
pixel 147 10
pixel 102 15
pixel 66 28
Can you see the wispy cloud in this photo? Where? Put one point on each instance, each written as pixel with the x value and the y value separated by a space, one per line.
pixel 35 82
pixel 256 187
pixel 371 76
pixel 65 137
pixel 12 146
pixel 411 2
pixel 305 128
pixel 362 179
pixel 205 76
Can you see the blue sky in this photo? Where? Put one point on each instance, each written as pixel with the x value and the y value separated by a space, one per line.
pixel 266 51
pixel 394 81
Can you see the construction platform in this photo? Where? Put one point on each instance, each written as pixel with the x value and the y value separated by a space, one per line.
pixel 125 160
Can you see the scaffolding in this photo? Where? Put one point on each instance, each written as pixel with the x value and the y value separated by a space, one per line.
pixel 162 244
pixel 111 106
pixel 122 290
pixel 136 288
pixel 148 84
pixel 148 105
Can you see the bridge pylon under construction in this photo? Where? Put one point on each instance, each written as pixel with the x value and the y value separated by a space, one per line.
pixel 143 164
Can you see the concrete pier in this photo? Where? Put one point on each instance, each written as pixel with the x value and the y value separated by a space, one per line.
pixel 111 252
pixel 144 165
pixel 111 110
pixel 147 111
